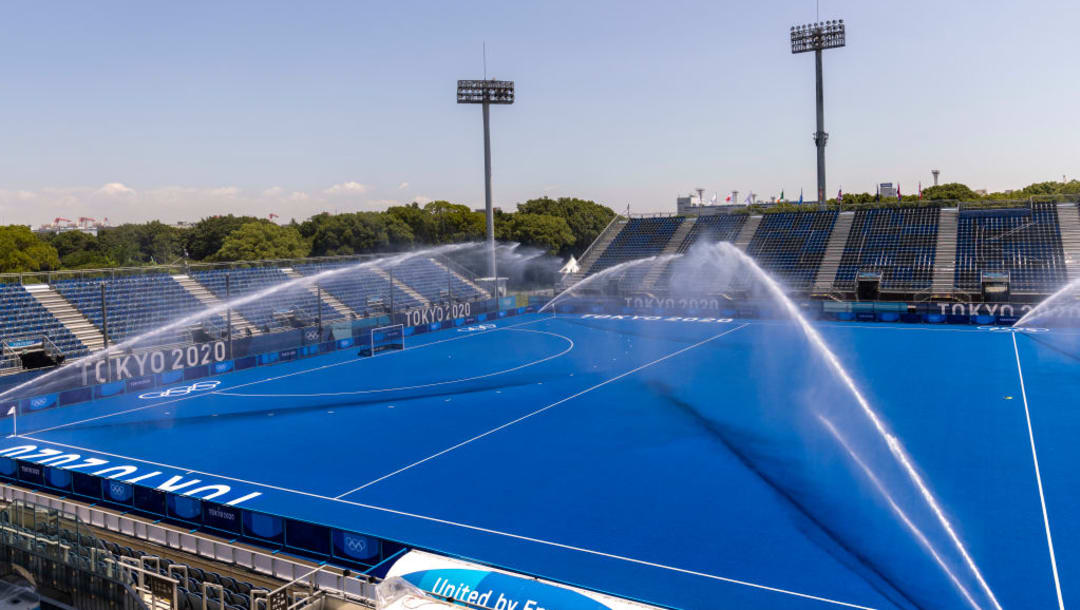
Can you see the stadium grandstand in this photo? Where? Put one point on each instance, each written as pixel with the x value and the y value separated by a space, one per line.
pixel 920 253
pixel 88 539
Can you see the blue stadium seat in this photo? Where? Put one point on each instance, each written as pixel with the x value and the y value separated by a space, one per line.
pixel 260 312
pixel 135 305
pixel 22 317
pixel 639 238
pixel 1026 242
pixel 898 242
pixel 790 245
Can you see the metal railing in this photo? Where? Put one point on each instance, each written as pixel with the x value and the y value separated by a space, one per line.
pixel 334 582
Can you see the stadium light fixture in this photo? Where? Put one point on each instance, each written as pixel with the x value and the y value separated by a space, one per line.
pixel 485 93
pixel 817 37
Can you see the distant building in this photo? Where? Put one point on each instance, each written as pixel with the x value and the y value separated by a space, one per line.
pixel 692 206
pixel 887 190
pixel 54 229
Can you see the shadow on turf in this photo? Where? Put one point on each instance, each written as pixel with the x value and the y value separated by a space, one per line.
pixel 749 450
pixel 320 403
pixel 1067 345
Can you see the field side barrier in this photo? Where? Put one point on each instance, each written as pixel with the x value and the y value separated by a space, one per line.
pixel 331 580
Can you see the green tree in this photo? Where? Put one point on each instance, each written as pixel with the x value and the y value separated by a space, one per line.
pixel 585 218
pixel 141 244
pixel 455 223
pixel 207 236
pixel 552 233
pixel 262 240
pixel 87 259
pixel 419 220
pixel 360 232
pixel 951 191
pixel 72 242
pixel 22 251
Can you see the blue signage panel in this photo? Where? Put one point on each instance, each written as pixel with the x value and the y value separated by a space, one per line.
pixel 221 517
pixel 31 473
pixel 307 537
pixel 86 485
pixel 149 500
pixel 39 403
pixel 109 389
pixel 183 507
pixel 117 491
pixel 221 367
pixel 265 527
pixel 348 545
pixel 58 478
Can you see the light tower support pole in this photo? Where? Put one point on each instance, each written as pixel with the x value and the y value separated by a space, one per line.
pixel 820 137
pixel 485 93
pixel 492 271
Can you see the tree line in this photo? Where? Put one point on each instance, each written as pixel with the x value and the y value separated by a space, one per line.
pixel 564 227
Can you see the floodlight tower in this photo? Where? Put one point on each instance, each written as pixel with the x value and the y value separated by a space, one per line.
pixel 487 92
pixel 817 37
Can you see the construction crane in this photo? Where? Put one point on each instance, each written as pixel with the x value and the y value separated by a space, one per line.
pixel 56 221
pixel 86 222
pixel 272 216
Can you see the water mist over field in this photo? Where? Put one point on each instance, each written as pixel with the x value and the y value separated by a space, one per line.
pixel 790 410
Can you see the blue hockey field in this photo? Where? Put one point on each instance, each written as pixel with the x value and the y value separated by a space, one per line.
pixel 643 457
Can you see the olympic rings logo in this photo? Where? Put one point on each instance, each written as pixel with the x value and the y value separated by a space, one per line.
pixel 355 545
pixel 198 386
pixel 477 328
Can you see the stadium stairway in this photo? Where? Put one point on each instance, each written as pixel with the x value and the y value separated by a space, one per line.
pixel 596 250
pixel 742 240
pixel 462 278
pixel 1069 220
pixel 79 325
pixel 673 246
pixel 327 298
pixel 207 298
pixel 834 252
pixel 945 255
pixel 402 286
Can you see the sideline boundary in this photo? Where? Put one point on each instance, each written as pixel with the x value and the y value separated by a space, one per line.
pixel 1038 477
pixel 477 528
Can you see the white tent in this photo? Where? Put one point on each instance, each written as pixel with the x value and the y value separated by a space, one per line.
pixel 571 266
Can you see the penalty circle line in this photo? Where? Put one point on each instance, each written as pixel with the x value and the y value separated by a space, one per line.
pixel 568 349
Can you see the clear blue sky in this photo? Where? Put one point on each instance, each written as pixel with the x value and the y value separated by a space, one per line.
pixel 138 110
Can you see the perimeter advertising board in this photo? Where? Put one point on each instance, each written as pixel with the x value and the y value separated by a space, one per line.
pixel 491 588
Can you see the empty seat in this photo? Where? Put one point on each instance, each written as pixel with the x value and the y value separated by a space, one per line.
pixel 900 243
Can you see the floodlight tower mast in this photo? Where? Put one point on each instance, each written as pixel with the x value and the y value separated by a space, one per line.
pixel 487 92
pixel 817 37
